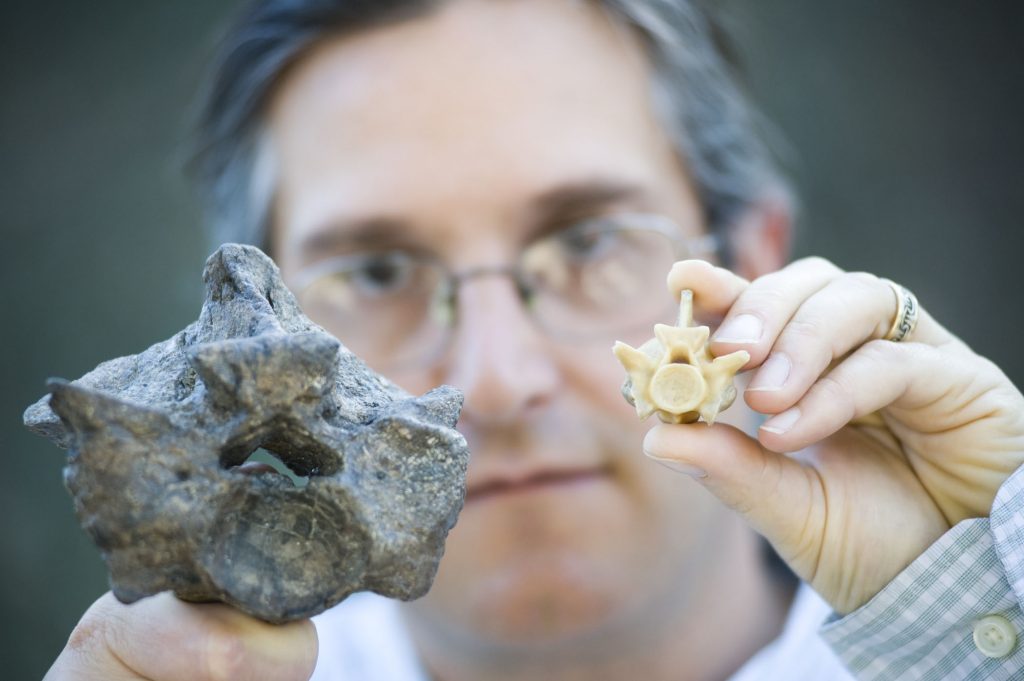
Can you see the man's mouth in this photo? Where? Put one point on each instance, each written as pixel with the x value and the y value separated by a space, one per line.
pixel 535 482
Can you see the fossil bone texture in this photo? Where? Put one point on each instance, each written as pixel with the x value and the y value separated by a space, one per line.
pixel 674 376
pixel 154 440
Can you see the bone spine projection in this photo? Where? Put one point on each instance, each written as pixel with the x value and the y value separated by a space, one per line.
pixel 674 376
pixel 154 440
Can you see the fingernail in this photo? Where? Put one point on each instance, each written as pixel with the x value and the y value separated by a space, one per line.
pixel 773 373
pixel 744 328
pixel 780 423
pixel 679 466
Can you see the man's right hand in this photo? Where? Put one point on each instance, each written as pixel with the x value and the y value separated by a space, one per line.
pixel 164 639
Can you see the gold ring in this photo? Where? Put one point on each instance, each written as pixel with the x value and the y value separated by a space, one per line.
pixel 905 321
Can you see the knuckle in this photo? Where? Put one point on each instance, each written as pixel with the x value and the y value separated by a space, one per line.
pixel 834 387
pixel 90 634
pixel 879 351
pixel 804 329
pixel 834 390
pixel 765 294
pixel 816 263
pixel 228 653
pixel 884 355
pixel 922 355
pixel 101 628
pixel 865 283
pixel 807 339
pixel 100 640
pixel 876 291
pixel 224 655
pixel 865 279
pixel 986 367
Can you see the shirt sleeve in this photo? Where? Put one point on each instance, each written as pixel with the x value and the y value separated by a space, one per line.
pixel 922 624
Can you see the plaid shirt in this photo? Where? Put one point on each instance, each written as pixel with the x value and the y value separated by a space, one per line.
pixel 921 625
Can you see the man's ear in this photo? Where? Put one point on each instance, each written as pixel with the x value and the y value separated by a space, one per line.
pixel 761 238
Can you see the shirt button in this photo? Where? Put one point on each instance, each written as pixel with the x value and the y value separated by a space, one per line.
pixel 994 636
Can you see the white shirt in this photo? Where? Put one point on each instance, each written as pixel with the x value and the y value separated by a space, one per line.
pixel 363 639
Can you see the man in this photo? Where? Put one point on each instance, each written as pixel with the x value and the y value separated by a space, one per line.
pixel 487 194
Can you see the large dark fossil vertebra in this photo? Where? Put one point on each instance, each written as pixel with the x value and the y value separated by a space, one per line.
pixel 154 439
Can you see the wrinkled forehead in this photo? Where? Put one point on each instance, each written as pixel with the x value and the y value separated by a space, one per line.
pixel 467 111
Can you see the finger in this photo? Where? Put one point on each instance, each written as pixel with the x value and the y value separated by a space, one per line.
pixel 165 639
pixel 715 289
pixel 846 312
pixel 762 310
pixel 925 394
pixel 879 374
pixel 960 392
pixel 850 310
pixel 775 494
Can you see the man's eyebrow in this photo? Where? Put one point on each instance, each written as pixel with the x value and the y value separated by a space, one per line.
pixel 567 203
pixel 582 198
pixel 354 234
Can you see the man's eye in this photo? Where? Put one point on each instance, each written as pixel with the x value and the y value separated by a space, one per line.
pixel 382 274
pixel 581 245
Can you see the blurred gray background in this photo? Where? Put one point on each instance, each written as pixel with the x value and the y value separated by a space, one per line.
pixel 904 123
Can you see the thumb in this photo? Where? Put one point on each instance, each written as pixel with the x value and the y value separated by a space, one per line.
pixel 774 493
pixel 164 638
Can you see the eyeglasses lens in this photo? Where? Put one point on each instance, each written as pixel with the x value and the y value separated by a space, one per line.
pixel 599 279
pixel 384 307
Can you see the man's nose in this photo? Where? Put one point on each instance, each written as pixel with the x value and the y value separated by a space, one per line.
pixel 500 360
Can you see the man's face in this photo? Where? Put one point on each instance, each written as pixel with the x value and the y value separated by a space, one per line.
pixel 457 130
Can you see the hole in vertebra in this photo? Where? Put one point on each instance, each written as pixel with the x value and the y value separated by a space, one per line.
pixel 264 462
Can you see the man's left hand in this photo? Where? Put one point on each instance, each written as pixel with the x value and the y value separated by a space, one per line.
pixel 874 449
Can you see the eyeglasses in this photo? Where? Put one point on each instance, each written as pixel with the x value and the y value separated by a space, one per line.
pixel 591 280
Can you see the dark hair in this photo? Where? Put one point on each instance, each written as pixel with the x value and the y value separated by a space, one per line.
pixel 693 87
